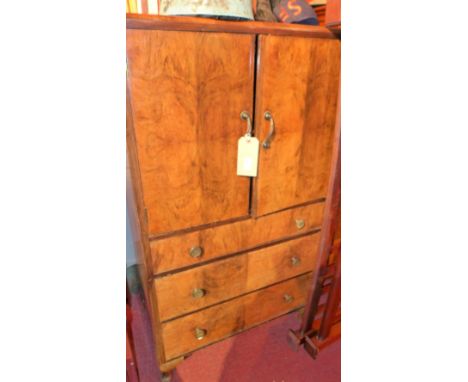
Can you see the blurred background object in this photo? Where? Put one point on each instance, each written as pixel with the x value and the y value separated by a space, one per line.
pixel 150 7
pixel 261 10
pixel 333 16
pixel 231 10
pixel 264 11
pixel 296 12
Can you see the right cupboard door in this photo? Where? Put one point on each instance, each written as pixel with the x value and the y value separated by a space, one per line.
pixel 297 83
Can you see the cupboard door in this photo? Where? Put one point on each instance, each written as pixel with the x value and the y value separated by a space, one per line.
pixel 297 82
pixel 187 91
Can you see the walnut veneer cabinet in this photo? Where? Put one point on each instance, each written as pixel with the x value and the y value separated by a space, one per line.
pixel 222 253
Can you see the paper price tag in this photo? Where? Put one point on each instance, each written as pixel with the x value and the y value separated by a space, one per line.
pixel 247 156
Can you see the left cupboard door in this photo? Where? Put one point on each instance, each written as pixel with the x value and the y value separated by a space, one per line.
pixel 187 91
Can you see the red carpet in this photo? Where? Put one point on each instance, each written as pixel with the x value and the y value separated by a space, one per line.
pixel 261 354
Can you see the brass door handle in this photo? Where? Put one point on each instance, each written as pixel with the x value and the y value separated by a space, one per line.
pixel 200 333
pixel 246 117
pixel 266 142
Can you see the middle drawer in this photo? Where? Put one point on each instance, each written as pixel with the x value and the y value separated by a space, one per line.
pixel 209 284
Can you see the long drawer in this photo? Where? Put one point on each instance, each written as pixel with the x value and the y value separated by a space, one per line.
pixel 186 334
pixel 212 283
pixel 197 247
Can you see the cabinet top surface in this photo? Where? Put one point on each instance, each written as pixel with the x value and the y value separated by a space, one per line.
pixel 200 24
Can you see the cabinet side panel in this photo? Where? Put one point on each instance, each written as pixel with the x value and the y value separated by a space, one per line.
pixel 139 231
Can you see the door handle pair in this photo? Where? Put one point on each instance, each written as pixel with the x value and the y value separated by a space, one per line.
pixel 269 117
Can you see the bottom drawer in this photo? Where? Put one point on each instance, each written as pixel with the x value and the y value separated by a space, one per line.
pixel 183 335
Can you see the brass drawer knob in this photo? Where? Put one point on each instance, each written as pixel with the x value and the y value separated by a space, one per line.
pixel 288 298
pixel 198 293
pixel 300 223
pixel 295 261
pixel 196 252
pixel 200 333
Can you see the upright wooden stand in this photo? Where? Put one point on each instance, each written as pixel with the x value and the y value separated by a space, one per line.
pixel 321 322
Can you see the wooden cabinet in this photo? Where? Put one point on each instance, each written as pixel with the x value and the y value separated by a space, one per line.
pixel 220 252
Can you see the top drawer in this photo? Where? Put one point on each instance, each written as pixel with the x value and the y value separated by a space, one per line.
pixel 197 247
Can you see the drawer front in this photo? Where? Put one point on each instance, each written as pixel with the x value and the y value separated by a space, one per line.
pixel 197 288
pixel 197 247
pixel 197 330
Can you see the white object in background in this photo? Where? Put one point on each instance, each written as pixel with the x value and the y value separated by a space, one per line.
pixel 153 7
pixel 237 8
